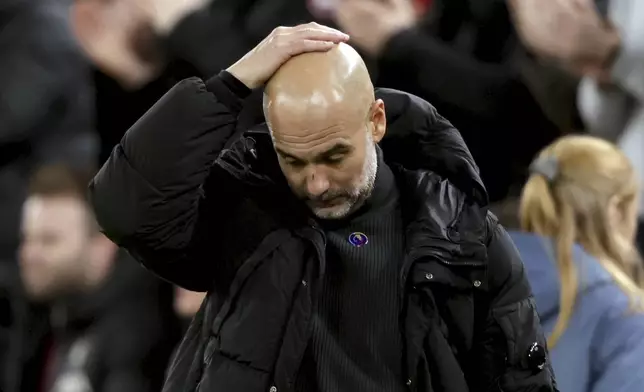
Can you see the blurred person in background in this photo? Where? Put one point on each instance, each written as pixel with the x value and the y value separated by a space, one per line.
pixel 103 330
pixel 135 41
pixel 186 305
pixel 119 39
pixel 578 211
pixel 464 58
pixel 46 115
pixel 602 41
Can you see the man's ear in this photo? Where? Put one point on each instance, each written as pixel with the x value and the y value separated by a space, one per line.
pixel 379 120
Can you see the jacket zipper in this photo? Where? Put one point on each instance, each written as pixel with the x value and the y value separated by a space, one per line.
pixel 314 293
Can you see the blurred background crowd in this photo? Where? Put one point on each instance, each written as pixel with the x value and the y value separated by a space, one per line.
pixel 513 76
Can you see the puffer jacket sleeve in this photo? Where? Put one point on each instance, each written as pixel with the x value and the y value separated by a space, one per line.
pixel 510 346
pixel 149 196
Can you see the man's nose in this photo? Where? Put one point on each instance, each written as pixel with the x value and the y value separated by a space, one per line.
pixel 316 183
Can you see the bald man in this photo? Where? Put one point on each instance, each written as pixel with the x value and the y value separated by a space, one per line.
pixel 342 248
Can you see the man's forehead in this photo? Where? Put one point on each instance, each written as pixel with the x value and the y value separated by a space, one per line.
pixel 315 147
pixel 53 212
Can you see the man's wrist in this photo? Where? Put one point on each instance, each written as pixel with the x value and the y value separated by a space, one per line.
pixel 242 76
pixel 234 84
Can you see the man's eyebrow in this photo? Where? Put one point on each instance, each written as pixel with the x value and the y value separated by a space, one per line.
pixel 339 148
pixel 285 154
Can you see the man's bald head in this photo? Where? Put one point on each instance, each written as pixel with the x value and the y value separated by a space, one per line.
pixel 320 84
pixel 325 124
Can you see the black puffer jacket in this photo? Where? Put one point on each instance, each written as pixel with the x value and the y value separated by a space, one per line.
pixel 216 218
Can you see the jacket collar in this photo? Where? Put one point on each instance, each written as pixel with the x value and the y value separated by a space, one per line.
pixel 420 139
pixel 444 199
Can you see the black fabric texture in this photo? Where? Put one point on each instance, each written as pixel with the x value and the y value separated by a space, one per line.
pixel 356 342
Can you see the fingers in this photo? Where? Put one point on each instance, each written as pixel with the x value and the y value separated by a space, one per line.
pixel 320 33
pixel 310 37
pixel 308 45
pixel 310 31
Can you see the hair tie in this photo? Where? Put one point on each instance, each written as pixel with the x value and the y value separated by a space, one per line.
pixel 547 166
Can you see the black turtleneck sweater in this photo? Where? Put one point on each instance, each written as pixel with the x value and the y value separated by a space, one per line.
pixel 356 343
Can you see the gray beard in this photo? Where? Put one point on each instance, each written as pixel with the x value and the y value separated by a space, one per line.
pixel 364 189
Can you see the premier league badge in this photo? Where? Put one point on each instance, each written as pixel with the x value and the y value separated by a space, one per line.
pixel 358 239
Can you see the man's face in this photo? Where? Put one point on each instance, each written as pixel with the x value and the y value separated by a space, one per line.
pixel 330 162
pixel 54 246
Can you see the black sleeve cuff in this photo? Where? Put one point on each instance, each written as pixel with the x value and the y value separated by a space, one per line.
pixel 228 90
pixel 234 84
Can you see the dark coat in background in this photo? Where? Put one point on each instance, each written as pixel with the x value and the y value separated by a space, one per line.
pixel 46 102
pixel 46 115
pixel 116 339
pixel 465 58
pixel 207 217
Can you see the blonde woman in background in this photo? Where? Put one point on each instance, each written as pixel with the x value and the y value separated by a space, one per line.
pixel 578 212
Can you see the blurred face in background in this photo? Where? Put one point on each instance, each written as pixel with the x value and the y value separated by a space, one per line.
pixel 61 252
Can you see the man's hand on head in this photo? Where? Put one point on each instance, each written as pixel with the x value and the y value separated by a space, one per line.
pixel 372 23
pixel 258 65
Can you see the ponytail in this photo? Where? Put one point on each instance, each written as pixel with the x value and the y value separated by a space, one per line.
pixel 569 280
pixel 537 210
pixel 541 213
